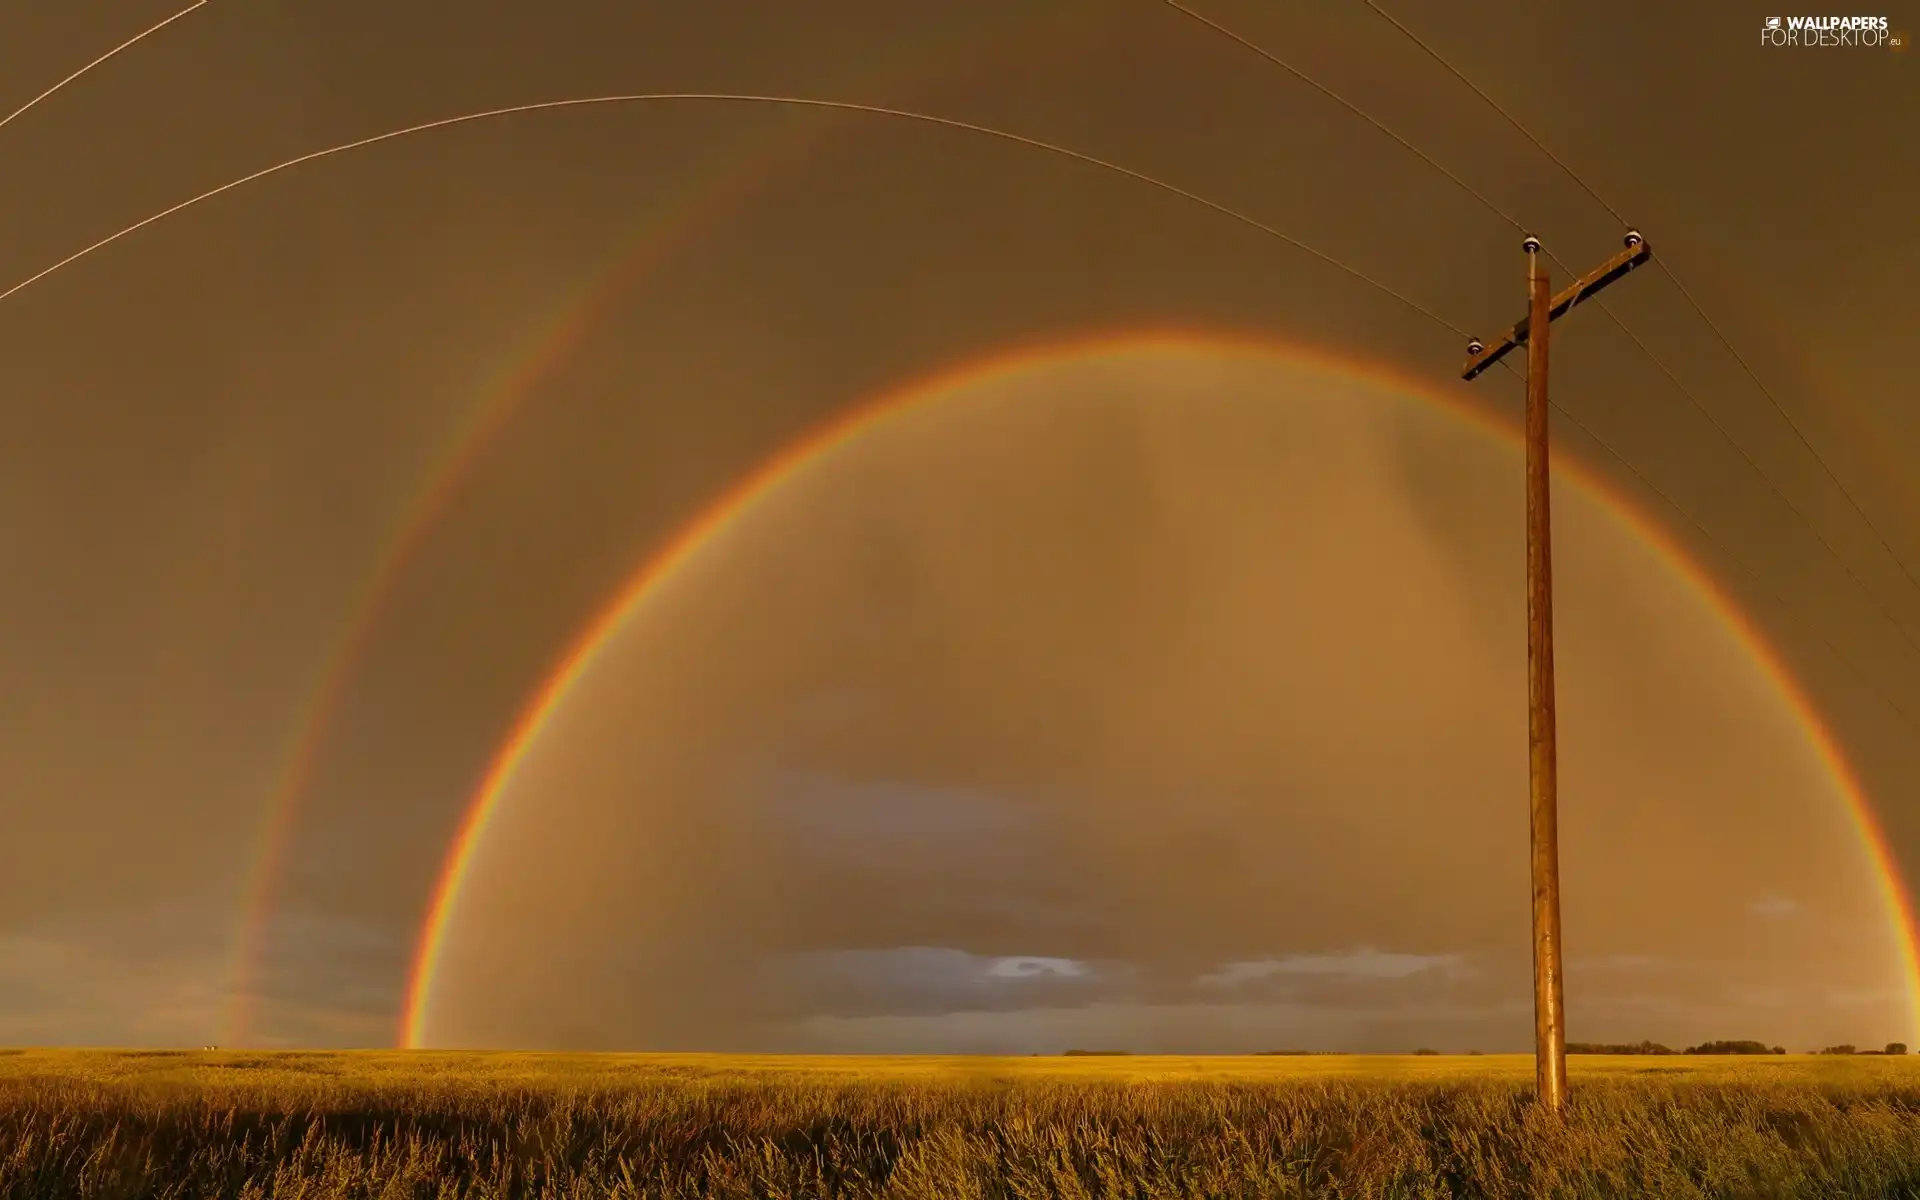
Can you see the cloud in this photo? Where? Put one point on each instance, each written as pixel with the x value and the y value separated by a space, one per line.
pixel 1363 963
pixel 1760 995
pixel 1862 997
pixel 150 978
pixel 915 983
pixel 327 980
pixel 1664 1004
pixel 163 976
pixel 937 979
pixel 1146 1028
pixel 838 814
pixel 1615 963
pixel 1032 968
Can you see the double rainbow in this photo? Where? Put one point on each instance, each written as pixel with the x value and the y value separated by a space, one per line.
pixel 762 486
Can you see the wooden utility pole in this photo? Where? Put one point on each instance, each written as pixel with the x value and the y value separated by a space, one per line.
pixel 1549 1012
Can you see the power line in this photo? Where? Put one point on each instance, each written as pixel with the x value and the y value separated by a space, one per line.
pixel 1351 107
pixel 1511 220
pixel 1020 139
pixel 142 35
pixel 1667 268
pixel 1702 530
pixel 1791 423
pixel 1832 551
pixel 1436 56
pixel 1898 626
pixel 849 106
pixel 744 98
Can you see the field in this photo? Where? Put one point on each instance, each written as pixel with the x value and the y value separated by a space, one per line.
pixel 379 1124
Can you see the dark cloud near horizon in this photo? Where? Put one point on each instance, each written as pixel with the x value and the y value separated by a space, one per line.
pixel 163 977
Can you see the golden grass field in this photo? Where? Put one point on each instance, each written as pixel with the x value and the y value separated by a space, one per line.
pixel 399 1124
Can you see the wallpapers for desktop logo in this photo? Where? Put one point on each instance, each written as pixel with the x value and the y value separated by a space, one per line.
pixel 1867 32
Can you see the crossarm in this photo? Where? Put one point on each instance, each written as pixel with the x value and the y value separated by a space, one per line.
pixel 1581 289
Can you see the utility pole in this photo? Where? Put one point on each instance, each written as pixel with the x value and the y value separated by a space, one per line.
pixel 1549 1013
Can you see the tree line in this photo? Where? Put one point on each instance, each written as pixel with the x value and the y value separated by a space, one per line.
pixel 1730 1047
pixel 1727 1047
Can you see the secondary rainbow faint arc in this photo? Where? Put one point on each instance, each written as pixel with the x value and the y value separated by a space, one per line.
pixel 466 451
pixel 696 202
pixel 761 483
pixel 534 357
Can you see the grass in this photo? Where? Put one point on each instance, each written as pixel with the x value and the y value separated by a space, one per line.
pixel 379 1124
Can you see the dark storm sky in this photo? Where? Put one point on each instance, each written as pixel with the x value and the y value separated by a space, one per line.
pixel 214 427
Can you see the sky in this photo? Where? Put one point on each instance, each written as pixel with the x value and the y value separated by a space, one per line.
pixel 1159 692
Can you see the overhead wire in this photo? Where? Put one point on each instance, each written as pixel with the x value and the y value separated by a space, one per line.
pixel 1766 589
pixel 1195 15
pixel 926 118
pixel 739 98
pixel 1555 159
pixel 149 31
pixel 1487 202
pixel 1865 589
pixel 1337 98
pixel 1840 560
pixel 1666 268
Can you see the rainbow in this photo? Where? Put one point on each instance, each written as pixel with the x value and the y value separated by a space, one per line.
pixel 671 223
pixel 570 321
pixel 760 485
